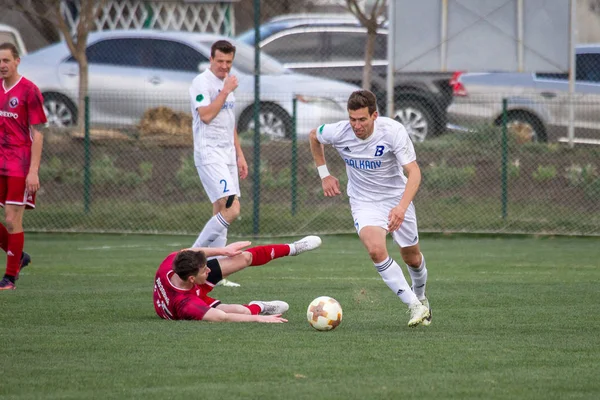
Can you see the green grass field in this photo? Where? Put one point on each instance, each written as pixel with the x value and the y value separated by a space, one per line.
pixel 514 318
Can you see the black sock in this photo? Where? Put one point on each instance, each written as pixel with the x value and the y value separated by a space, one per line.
pixel 10 278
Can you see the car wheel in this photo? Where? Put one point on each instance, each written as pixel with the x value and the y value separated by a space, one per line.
pixel 525 128
pixel 416 118
pixel 274 121
pixel 60 111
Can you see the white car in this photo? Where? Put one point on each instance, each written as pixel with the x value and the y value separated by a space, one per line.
pixel 10 34
pixel 131 71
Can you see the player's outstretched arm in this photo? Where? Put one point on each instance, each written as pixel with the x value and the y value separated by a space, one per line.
pixel 215 315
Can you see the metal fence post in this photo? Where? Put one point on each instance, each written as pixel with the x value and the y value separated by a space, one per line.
pixel 504 157
pixel 294 167
pixel 256 194
pixel 87 157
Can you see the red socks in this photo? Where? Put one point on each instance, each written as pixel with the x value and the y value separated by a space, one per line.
pixel 13 253
pixel 263 254
pixel 3 237
pixel 254 308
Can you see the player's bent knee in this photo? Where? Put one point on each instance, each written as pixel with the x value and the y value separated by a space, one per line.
pixel 377 254
pixel 247 258
pixel 233 211
pixel 411 256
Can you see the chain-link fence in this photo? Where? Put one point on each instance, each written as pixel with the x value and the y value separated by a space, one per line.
pixel 135 172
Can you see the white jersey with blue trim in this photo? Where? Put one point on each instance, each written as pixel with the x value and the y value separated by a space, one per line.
pixel 373 165
pixel 213 142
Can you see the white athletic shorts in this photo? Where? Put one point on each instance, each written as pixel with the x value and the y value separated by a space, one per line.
pixel 376 214
pixel 219 180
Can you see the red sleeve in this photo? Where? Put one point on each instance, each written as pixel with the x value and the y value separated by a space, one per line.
pixel 192 308
pixel 35 104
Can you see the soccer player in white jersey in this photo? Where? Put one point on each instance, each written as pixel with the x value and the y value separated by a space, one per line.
pixel 217 152
pixel 383 179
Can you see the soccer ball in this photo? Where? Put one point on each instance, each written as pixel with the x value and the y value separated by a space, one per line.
pixel 324 313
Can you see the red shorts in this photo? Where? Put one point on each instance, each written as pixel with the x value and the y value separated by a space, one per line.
pixel 12 191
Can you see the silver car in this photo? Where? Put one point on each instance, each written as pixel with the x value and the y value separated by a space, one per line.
pixel 131 71
pixel 538 103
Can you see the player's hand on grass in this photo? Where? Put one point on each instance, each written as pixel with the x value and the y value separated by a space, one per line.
pixel 395 218
pixel 235 248
pixel 272 319
pixel 331 186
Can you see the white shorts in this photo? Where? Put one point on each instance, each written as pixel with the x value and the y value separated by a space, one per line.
pixel 219 180
pixel 377 214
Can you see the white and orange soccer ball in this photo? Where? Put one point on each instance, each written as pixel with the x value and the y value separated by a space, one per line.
pixel 324 313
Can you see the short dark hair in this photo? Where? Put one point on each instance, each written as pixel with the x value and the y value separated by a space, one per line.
pixel 188 263
pixel 223 46
pixel 361 99
pixel 9 46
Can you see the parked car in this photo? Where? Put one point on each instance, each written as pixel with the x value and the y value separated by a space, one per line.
pixel 10 34
pixel 537 103
pixel 334 46
pixel 131 71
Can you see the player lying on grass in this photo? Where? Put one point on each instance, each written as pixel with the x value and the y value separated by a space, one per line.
pixel 185 278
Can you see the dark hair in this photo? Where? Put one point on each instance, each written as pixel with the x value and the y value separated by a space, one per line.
pixel 9 46
pixel 223 46
pixel 188 263
pixel 361 99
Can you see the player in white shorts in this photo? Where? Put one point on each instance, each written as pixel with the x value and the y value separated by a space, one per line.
pixel 217 152
pixel 383 179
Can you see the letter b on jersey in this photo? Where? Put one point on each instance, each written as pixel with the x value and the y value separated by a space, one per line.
pixel 379 151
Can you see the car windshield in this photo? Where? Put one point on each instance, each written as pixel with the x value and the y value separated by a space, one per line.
pixel 244 60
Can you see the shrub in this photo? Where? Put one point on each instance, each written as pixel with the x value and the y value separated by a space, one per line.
pixel 55 170
pixel 514 169
pixel 544 173
pixel 187 174
pixel 592 189
pixel 443 176
pixel 577 175
pixel 105 172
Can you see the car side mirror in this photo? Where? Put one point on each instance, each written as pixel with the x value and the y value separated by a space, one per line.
pixel 203 66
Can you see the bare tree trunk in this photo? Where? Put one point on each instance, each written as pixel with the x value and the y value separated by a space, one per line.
pixel 369 51
pixel 88 12
pixel 372 23
pixel 50 10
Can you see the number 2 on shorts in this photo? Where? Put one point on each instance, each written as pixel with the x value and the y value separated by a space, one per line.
pixel 224 182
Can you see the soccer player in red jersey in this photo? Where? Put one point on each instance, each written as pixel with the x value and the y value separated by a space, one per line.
pixel 185 278
pixel 21 114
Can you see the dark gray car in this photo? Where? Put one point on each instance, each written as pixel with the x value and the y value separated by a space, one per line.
pixel 334 46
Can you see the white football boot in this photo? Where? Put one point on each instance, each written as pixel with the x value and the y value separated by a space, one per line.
pixel 271 307
pixel 305 244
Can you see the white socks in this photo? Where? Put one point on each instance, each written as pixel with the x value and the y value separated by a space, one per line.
pixel 418 277
pixel 214 233
pixel 392 275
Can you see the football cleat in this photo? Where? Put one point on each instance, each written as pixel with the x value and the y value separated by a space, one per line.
pixel 418 312
pixel 305 244
pixel 25 261
pixel 271 307
pixel 426 321
pixel 228 283
pixel 5 284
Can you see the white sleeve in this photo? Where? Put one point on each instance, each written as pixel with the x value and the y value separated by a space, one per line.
pixel 199 94
pixel 326 133
pixel 403 147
